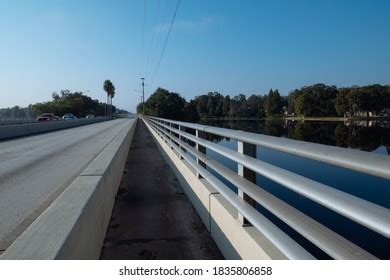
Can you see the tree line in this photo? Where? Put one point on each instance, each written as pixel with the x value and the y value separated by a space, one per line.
pixel 318 100
pixel 17 113
pixel 63 102
pixel 71 102
pixel 66 102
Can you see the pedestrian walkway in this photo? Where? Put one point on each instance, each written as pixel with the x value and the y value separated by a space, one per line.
pixel 152 217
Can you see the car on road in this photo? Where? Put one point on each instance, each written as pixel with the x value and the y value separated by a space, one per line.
pixel 89 116
pixel 47 117
pixel 69 116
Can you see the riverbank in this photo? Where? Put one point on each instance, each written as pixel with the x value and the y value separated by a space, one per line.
pixel 330 119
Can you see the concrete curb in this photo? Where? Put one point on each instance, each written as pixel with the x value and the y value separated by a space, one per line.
pixel 218 215
pixel 75 224
pixel 19 130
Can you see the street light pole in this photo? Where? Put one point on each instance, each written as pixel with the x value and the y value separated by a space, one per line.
pixel 143 96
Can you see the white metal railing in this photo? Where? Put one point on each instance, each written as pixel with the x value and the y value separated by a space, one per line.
pixel 370 215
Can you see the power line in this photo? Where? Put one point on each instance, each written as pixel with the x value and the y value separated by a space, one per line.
pixel 154 52
pixel 143 39
pixel 153 35
pixel 143 95
pixel 166 42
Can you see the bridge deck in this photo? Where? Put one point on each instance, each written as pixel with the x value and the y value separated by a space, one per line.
pixel 152 217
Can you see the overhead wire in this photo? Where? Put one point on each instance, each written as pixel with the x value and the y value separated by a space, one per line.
pixel 159 35
pixel 166 42
pixel 143 40
pixel 153 36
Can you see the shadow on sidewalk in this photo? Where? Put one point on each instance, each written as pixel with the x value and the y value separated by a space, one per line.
pixel 152 217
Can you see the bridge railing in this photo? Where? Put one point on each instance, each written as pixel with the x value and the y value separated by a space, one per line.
pixel 368 214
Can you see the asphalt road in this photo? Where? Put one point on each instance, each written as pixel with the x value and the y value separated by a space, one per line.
pixel 35 170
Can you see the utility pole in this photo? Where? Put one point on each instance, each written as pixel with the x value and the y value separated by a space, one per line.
pixel 143 96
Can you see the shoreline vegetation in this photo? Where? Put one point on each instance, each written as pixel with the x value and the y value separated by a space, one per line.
pixel 318 102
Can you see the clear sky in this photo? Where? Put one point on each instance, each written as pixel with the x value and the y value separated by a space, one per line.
pixel 227 46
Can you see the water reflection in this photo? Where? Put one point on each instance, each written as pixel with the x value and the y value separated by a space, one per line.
pixel 370 188
pixel 366 136
pixel 369 136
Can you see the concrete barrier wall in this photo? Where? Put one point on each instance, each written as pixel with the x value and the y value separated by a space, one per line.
pixel 75 224
pixel 219 216
pixel 18 130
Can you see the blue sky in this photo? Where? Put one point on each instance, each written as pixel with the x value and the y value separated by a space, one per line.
pixel 228 46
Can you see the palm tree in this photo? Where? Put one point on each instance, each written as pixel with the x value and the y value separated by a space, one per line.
pixel 109 88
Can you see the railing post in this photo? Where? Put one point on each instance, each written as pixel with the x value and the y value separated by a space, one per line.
pixel 159 125
pixel 170 133
pixel 181 128
pixel 166 130
pixel 201 149
pixel 160 133
pixel 249 150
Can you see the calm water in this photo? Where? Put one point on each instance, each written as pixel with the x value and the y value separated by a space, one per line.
pixel 372 137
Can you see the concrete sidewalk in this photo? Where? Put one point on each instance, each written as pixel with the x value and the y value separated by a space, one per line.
pixel 152 217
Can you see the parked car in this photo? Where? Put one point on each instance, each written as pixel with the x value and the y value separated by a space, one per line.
pixel 47 117
pixel 69 116
pixel 89 116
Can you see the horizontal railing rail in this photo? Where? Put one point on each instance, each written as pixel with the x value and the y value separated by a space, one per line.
pixel 368 214
pixel 369 163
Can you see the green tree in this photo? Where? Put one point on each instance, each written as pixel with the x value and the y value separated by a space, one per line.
pixel 373 99
pixel 238 106
pixel 55 96
pixel 291 102
pixel 256 106
pixel 218 104
pixel 71 102
pixel 201 105
pixel 226 106
pixel 315 100
pixel 274 103
pixel 219 108
pixel 191 114
pixel 165 104
pixel 341 103
pixel 211 104
pixel 109 88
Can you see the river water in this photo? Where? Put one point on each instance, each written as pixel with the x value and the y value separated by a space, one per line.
pixel 367 136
